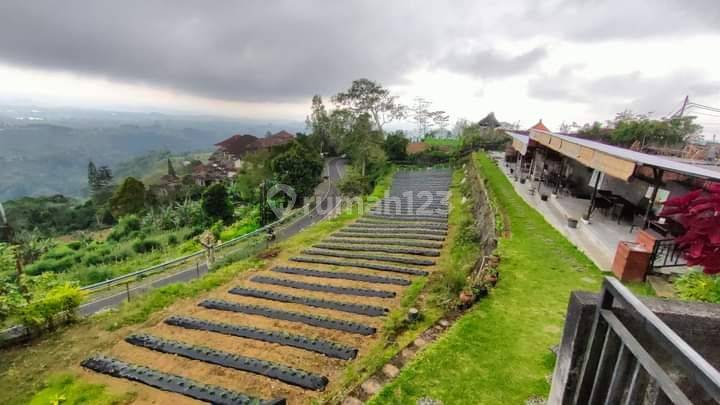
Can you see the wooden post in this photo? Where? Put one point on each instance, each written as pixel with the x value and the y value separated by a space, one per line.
pixel 127 290
pixel 197 269
pixel 657 182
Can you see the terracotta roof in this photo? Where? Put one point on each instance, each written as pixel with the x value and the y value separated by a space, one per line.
pixel 279 138
pixel 416 147
pixel 238 145
pixel 540 126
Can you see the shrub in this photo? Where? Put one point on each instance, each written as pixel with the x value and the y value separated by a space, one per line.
pixel 189 246
pixel 146 245
pixel 60 252
pixel 75 245
pixel 50 266
pixel 127 225
pixel 354 184
pixel 95 275
pixel 48 301
pixel 172 240
pixel 698 287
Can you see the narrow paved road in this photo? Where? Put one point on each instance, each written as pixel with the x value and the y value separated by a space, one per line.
pixel 335 170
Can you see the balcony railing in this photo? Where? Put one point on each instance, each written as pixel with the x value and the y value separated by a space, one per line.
pixel 640 362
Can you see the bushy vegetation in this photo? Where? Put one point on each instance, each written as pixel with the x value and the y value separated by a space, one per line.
pixel 68 389
pixel 696 286
pixel 34 301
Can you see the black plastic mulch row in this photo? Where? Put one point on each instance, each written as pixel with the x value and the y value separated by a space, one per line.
pixel 341 275
pixel 313 320
pixel 376 235
pixel 360 309
pixel 376 258
pixel 369 228
pixel 269 369
pixel 362 265
pixel 410 214
pixel 173 383
pixel 379 248
pixel 387 242
pixel 300 285
pixel 399 225
pixel 326 347
pixel 413 218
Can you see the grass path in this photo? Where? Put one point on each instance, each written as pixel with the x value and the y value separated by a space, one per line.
pixel 499 353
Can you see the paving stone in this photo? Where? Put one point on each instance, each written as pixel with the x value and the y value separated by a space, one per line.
pixel 407 354
pixel 371 386
pixel 390 371
pixel 351 401
pixel 420 342
pixel 444 323
pixel 662 287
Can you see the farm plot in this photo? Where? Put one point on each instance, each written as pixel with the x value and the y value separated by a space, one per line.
pixel 286 333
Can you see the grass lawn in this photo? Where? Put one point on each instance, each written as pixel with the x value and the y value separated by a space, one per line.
pixel 499 353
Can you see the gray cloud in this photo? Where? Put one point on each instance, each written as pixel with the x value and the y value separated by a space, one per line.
pixel 287 50
pixel 598 20
pixel 634 90
pixel 491 63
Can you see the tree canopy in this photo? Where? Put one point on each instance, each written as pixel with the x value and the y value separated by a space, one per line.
pixel 129 198
pixel 368 97
pixel 396 146
pixel 216 204
pixel 300 168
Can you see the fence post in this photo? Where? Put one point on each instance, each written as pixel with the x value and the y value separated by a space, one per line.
pixel 127 290
pixel 197 269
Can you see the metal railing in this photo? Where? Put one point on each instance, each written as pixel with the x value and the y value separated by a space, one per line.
pixel 666 253
pixel 179 260
pixel 619 369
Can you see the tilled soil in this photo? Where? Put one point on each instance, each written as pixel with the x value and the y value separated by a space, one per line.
pixel 258 385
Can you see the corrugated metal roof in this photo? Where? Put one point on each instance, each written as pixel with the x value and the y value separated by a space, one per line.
pixel 519 137
pixel 639 158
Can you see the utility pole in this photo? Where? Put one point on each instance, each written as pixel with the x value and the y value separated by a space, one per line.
pixel 684 105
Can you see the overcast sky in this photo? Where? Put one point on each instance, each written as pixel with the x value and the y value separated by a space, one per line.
pixel 561 60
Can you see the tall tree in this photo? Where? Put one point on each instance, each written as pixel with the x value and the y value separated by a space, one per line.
pixel 319 125
pixel 368 97
pixel 129 198
pixel 396 146
pixel 300 168
pixel 92 175
pixel 171 169
pixel 364 144
pixel 216 204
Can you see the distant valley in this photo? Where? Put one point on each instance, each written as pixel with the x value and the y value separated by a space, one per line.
pixel 46 152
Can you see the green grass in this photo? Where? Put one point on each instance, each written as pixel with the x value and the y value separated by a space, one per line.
pixel 442 142
pixel 499 353
pixel 67 389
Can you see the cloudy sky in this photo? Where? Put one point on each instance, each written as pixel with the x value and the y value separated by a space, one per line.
pixel 562 60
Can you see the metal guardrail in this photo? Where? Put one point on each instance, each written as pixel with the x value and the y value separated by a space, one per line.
pixel 118 280
pixel 182 259
pixel 618 368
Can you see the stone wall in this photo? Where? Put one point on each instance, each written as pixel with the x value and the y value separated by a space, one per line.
pixel 485 214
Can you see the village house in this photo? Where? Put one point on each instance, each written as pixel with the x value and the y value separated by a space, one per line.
pixel 228 157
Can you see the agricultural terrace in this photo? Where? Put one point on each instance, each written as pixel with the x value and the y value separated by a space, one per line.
pixel 306 326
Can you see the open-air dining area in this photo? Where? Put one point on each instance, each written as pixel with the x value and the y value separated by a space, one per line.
pixel 606 200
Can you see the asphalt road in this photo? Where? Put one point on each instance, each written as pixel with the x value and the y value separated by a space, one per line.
pixel 335 170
